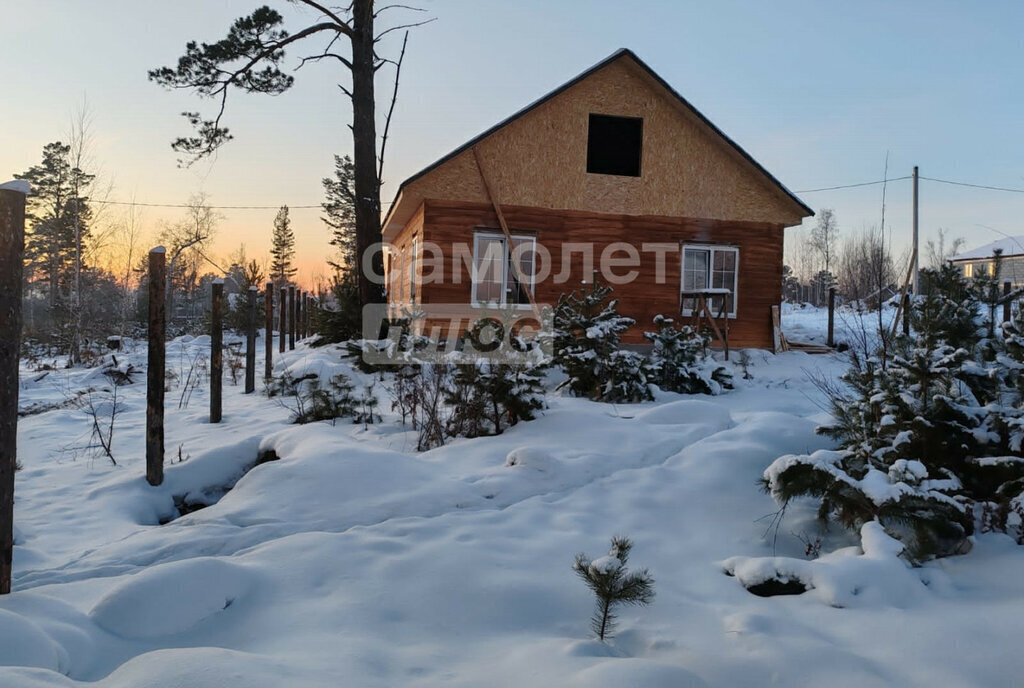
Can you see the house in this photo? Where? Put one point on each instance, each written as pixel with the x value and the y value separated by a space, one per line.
pixel 980 262
pixel 613 174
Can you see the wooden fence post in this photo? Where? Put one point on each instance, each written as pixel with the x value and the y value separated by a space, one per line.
pixel 291 317
pixel 906 314
pixel 1007 287
pixel 216 349
pixel 12 251
pixel 309 319
pixel 831 340
pixel 298 314
pixel 155 369
pixel 250 345
pixel 282 319
pixel 268 334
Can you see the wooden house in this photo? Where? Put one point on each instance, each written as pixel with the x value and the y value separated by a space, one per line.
pixel 612 172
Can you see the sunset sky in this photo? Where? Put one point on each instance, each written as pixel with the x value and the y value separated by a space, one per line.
pixel 818 92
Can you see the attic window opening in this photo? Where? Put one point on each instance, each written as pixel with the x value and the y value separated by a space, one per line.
pixel 614 145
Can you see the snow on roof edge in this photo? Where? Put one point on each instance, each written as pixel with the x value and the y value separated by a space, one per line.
pixel 1011 246
pixel 18 185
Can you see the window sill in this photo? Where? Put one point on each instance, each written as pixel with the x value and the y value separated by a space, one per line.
pixel 501 306
pixel 690 314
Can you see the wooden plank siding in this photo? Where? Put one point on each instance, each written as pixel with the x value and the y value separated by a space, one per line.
pixel 398 274
pixel 447 223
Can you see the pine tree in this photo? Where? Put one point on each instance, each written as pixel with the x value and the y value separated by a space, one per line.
pixel 488 397
pixel 679 363
pixel 282 248
pixel 50 216
pixel 613 584
pixel 926 434
pixel 586 345
pixel 340 209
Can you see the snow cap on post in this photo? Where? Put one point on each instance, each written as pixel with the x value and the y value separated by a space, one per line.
pixel 218 280
pixel 158 249
pixel 252 287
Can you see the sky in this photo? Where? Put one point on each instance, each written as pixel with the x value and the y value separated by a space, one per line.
pixel 821 94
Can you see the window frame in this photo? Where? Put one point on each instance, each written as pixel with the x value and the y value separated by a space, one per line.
pixel 505 269
pixel 711 249
pixel 413 291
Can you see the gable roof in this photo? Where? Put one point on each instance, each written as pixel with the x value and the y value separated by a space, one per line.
pixel 1010 246
pixel 622 53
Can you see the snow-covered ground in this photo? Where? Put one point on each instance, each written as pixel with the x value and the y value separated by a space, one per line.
pixel 353 560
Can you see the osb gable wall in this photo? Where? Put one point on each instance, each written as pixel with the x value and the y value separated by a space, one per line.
pixel 539 160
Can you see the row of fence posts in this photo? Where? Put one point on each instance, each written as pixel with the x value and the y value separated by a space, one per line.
pixel 1006 301
pixel 295 309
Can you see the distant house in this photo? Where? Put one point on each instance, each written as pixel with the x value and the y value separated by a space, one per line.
pixel 614 173
pixel 980 262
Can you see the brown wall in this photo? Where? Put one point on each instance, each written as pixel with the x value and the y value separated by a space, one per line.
pixel 398 283
pixel 760 259
pixel 539 160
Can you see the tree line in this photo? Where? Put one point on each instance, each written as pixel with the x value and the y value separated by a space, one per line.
pixel 85 280
pixel 860 265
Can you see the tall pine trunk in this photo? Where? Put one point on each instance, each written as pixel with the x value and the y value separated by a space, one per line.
pixel 364 135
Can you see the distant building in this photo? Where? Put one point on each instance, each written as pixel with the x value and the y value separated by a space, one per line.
pixel 980 262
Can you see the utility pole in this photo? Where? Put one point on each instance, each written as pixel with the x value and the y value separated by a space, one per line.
pixel 916 252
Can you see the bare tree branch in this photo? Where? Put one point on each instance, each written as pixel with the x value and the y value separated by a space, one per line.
pixel 312 58
pixel 391 110
pixel 385 32
pixel 342 25
pixel 396 6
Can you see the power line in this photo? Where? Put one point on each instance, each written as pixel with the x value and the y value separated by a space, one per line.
pixel 214 207
pixel 974 186
pixel 387 203
pixel 853 186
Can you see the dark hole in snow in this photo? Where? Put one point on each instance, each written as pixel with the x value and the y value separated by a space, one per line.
pixel 187 503
pixel 266 456
pixel 774 586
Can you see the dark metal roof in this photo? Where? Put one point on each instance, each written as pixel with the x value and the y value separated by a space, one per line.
pixel 622 52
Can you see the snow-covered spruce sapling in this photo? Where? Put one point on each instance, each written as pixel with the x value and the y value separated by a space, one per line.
pixel 925 433
pixel 586 346
pixel 613 584
pixel 679 363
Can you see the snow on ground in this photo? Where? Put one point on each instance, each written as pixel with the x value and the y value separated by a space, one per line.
pixel 354 560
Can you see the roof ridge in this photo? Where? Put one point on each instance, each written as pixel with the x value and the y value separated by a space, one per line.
pixel 621 52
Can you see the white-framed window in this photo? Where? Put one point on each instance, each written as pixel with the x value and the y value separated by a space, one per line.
pixel 495 281
pixel 710 267
pixel 399 274
pixel 413 278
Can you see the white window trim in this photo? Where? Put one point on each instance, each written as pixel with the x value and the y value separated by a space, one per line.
pixel 414 291
pixel 734 301
pixel 476 303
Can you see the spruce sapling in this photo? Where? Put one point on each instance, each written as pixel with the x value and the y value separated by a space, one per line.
pixel 613 584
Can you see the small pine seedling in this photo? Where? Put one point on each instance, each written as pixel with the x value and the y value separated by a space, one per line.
pixel 613 584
